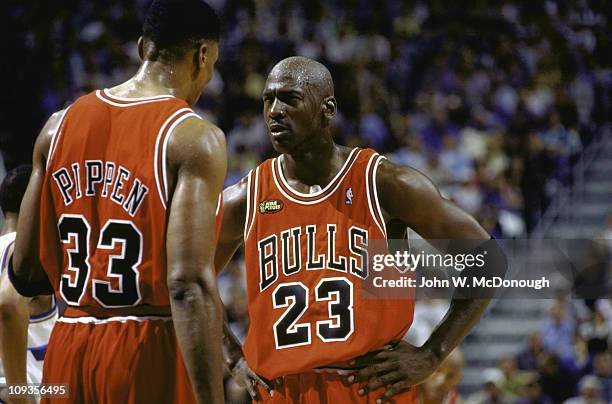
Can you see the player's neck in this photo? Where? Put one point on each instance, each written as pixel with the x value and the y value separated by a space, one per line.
pixel 317 166
pixel 10 223
pixel 156 78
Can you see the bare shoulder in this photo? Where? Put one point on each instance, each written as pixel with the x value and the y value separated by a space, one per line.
pixel 392 178
pixel 196 140
pixel 43 142
pixel 235 196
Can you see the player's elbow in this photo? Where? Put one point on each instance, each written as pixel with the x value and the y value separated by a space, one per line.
pixel 190 285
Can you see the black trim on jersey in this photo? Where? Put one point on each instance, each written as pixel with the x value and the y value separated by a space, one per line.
pixel 311 264
pixel 289 269
pixel 331 251
pixel 92 179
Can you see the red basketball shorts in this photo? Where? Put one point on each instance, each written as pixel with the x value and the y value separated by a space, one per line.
pixel 117 361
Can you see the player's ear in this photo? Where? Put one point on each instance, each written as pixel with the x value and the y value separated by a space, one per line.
pixel 329 107
pixel 202 54
pixel 141 48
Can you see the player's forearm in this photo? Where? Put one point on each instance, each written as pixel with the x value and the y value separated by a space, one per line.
pixel 233 349
pixel 14 338
pixel 457 323
pixel 196 312
pixel 468 303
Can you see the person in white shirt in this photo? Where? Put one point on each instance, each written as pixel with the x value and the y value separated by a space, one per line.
pixel 25 323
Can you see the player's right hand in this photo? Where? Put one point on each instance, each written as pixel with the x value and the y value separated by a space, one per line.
pixel 244 376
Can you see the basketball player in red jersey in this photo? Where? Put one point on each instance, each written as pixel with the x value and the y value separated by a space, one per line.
pixel 304 218
pixel 119 222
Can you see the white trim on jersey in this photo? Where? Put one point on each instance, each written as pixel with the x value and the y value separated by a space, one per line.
pixel 122 319
pixel 218 203
pixel 135 99
pixel 313 194
pixel 375 188
pixel 371 205
pixel 276 163
pixel 253 208
pixel 56 135
pixel 131 104
pixel 160 135
pixel 247 214
pixel 165 145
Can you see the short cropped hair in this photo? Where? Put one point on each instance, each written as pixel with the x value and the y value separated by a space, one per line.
pixel 13 188
pixel 175 26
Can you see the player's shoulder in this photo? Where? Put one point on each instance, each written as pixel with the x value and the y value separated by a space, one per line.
pixel 235 196
pixel 48 131
pixel 195 136
pixel 196 128
pixel 392 177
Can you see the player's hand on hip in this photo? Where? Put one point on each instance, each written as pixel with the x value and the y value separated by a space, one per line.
pixel 397 367
pixel 244 376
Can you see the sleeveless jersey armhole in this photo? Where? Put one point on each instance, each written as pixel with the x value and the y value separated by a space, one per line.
pixel 372 194
pixel 55 137
pixel 161 145
pixel 252 187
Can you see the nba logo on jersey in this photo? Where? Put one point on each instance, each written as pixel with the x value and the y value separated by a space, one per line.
pixel 348 199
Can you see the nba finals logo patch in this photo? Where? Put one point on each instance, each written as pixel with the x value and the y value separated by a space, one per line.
pixel 348 199
pixel 270 206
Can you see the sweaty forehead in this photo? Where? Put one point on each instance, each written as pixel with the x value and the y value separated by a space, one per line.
pixel 287 79
pixel 300 73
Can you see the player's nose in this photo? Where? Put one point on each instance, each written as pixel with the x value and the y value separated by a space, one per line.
pixel 277 109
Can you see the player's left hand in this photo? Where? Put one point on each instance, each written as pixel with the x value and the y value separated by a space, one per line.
pixel 244 376
pixel 397 367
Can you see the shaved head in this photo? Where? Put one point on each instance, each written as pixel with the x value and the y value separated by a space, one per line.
pixel 305 72
pixel 298 105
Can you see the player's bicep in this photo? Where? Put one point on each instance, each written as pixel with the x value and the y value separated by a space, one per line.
pixel 25 258
pixel 200 164
pixel 408 195
pixel 232 225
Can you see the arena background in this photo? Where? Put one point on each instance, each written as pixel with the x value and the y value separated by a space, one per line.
pixel 505 105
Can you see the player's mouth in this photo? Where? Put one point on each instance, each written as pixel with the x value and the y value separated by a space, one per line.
pixel 276 129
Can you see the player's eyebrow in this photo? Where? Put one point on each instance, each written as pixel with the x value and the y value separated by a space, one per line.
pixel 283 91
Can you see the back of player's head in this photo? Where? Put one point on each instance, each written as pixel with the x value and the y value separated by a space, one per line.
pixel 175 26
pixel 13 188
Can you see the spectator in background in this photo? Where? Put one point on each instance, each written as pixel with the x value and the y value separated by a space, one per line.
pixel 596 331
pixel 590 283
pixel 527 359
pixel 557 381
pixel 441 386
pixel 602 369
pixel 558 332
pixel 514 379
pixel 582 362
pixel 492 390
pixel 532 392
pixel 590 392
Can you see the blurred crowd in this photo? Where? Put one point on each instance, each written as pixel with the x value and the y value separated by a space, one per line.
pixel 494 100
pixel 568 361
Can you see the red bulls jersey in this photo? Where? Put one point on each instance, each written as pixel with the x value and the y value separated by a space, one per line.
pixel 306 258
pixel 104 200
